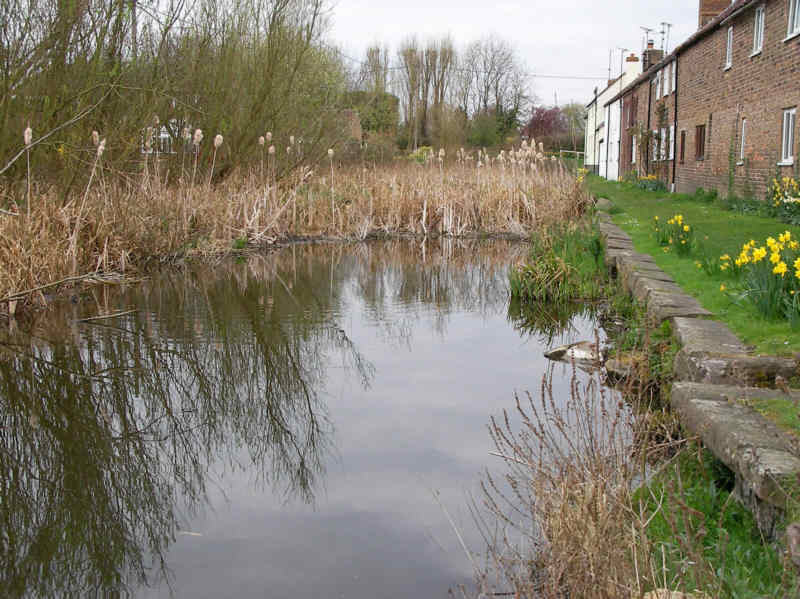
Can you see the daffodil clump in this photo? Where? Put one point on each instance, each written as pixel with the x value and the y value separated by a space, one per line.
pixel 770 275
pixel 675 234
pixel 784 194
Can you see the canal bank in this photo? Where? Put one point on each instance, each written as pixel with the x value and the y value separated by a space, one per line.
pixel 683 529
pixel 716 379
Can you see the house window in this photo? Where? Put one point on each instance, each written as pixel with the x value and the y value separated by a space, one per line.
pixel 671 142
pixel 667 79
pixel 743 141
pixel 663 143
pixel 675 76
pixel 683 147
pixel 758 30
pixel 787 152
pixel 729 50
pixel 794 17
pixel 700 142
pixel 655 144
pixel 633 149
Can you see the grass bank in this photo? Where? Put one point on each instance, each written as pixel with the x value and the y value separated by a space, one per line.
pixel 115 226
pixel 579 521
pixel 717 231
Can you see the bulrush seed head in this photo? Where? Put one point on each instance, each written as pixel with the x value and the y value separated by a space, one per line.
pixel 101 147
pixel 261 141
pixel 187 133
pixel 272 150
pixel 156 120
pixel 95 138
pixel 291 140
pixel 330 153
pixel 269 136
pixel 27 136
pixel 198 137
pixel 217 141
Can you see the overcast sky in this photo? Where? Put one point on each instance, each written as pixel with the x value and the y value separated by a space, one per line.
pixel 554 37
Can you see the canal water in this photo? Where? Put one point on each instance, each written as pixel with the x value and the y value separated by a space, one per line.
pixel 307 423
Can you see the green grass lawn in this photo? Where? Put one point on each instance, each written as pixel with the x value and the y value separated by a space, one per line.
pixel 718 231
pixel 709 540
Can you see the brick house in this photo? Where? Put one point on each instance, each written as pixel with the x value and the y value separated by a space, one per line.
pixel 721 109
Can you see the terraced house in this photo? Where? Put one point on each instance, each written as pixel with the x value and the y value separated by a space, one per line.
pixel 720 111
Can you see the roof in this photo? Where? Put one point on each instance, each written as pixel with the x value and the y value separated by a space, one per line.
pixel 605 89
pixel 733 10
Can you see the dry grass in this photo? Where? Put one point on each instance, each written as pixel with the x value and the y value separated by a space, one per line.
pixel 119 223
pixel 571 517
pixel 561 522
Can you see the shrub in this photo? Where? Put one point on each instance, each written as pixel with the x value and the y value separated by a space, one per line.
pixel 650 183
pixel 566 264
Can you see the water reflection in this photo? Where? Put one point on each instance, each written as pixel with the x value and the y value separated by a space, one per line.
pixel 113 429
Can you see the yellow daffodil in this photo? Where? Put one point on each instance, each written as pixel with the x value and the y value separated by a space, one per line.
pixel 780 269
pixel 775 257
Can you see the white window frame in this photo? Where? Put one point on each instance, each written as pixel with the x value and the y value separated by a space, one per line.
pixel 675 76
pixel 758 30
pixel 729 49
pixel 658 84
pixel 742 142
pixel 667 80
pixel 672 142
pixel 788 137
pixel 656 148
pixel 794 20
pixel 633 149
pixel 662 146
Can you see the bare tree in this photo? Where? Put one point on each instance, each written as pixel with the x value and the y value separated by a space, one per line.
pixel 411 77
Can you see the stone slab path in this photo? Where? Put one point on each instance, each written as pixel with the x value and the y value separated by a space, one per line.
pixel 717 376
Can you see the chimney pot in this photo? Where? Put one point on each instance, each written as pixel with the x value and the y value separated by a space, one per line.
pixel 650 44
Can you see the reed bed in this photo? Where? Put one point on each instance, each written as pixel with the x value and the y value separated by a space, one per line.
pixel 120 223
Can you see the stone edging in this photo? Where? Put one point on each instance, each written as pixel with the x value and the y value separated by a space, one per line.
pixel 716 377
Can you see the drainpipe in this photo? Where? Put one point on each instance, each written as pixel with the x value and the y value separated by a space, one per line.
pixel 596 143
pixel 675 127
pixel 608 137
pixel 649 109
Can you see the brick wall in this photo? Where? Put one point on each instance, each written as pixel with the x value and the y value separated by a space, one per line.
pixel 756 88
pixel 710 9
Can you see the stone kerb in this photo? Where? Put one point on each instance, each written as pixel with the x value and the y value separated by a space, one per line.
pixel 756 450
pixel 714 369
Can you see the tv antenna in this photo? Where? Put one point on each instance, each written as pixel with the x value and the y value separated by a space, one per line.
pixel 647 32
pixel 665 29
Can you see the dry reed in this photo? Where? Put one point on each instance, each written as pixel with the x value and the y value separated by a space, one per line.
pixel 124 223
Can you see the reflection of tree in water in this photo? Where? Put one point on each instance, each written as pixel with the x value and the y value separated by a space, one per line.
pixel 103 435
pixel 546 321
pixel 452 275
pixel 109 426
